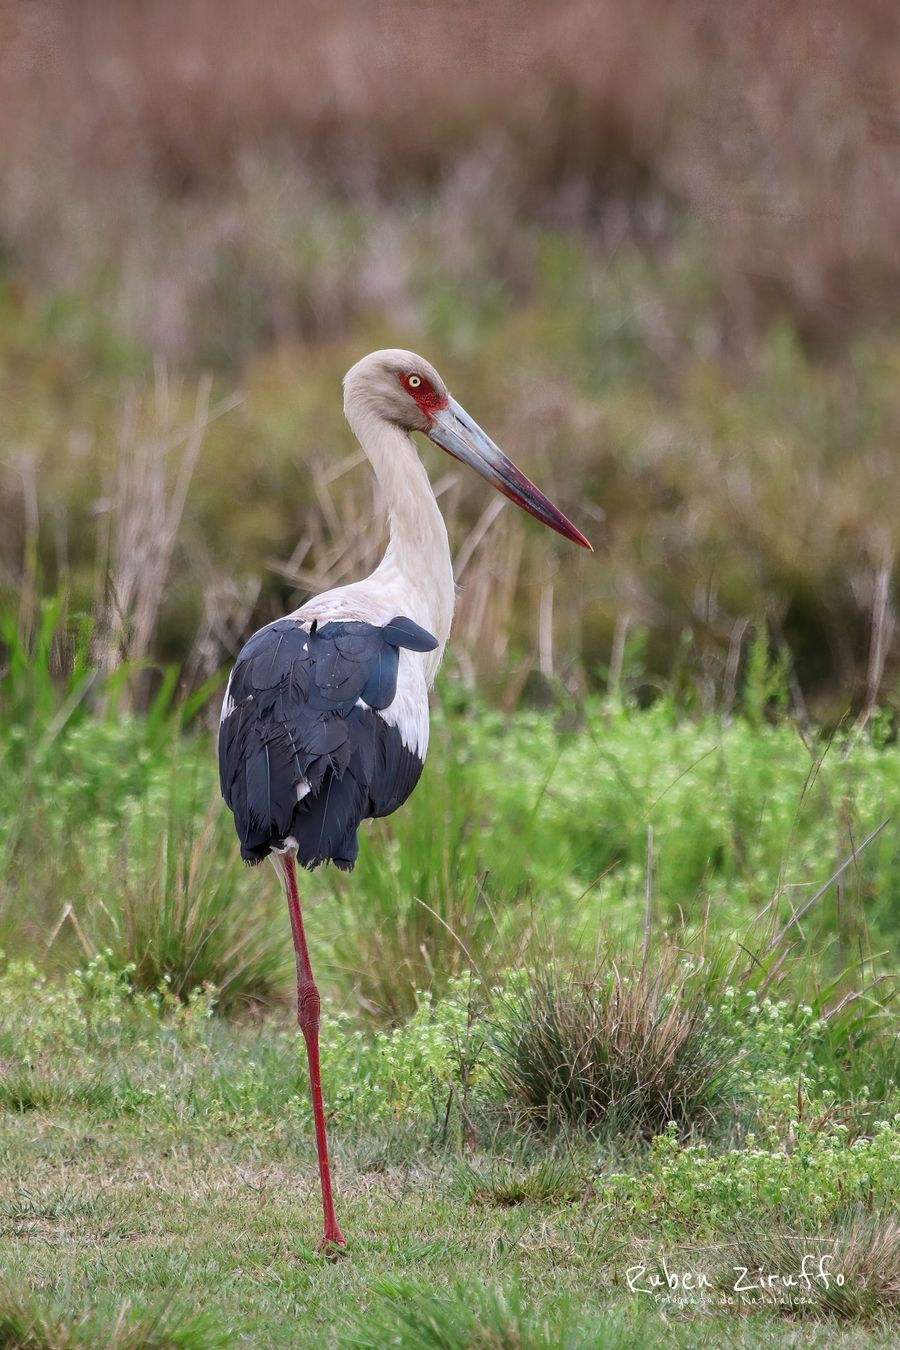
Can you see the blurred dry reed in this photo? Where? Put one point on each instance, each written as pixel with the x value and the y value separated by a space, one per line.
pixel 659 244
pixel 777 123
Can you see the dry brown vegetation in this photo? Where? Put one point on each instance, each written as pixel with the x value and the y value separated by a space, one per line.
pixel 655 247
pixel 777 123
pixel 864 1252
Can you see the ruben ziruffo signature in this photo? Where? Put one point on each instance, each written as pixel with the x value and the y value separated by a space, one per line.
pixel 813 1270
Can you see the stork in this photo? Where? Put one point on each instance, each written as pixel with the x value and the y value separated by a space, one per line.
pixel 325 717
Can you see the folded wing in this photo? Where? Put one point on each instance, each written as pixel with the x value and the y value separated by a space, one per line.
pixel 304 754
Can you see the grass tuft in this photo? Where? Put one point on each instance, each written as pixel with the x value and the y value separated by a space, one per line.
pixel 854 1272
pixel 505 1183
pixel 27 1089
pixel 477 1317
pixel 30 1322
pixel 630 1052
pixel 188 917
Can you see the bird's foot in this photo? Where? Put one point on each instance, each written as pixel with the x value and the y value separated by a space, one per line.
pixel 333 1245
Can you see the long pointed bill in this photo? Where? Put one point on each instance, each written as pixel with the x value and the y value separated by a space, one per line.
pixel 460 435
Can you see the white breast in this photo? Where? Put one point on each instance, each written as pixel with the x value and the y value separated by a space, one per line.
pixel 409 710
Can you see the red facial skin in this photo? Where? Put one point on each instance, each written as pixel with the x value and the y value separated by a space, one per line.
pixel 425 395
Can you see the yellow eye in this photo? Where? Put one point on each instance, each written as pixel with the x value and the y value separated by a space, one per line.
pixel 415 381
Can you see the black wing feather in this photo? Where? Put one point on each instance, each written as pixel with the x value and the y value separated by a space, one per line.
pixel 305 716
pixel 401 632
pixel 381 685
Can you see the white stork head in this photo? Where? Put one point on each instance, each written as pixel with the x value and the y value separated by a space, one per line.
pixel 398 387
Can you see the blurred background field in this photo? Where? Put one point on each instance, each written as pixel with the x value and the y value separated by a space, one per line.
pixel 655 250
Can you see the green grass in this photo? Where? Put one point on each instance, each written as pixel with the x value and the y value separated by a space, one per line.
pixel 30 1321
pixel 518 842
pixel 557 1047
pixel 156 1157
pixel 527 835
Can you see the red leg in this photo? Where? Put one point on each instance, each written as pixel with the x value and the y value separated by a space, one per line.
pixel 308 1018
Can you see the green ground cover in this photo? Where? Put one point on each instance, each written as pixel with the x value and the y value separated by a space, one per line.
pixel 528 1110
pixel 159 1157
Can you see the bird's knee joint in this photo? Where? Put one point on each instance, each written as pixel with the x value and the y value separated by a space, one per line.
pixel 308 1007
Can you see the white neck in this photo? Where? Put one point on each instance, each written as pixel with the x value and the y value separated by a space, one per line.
pixel 417 564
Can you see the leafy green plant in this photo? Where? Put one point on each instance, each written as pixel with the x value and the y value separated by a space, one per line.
pixel 144 864
pixel 766 688
pixel 807 1178
pixel 45 666
pixel 811 1062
